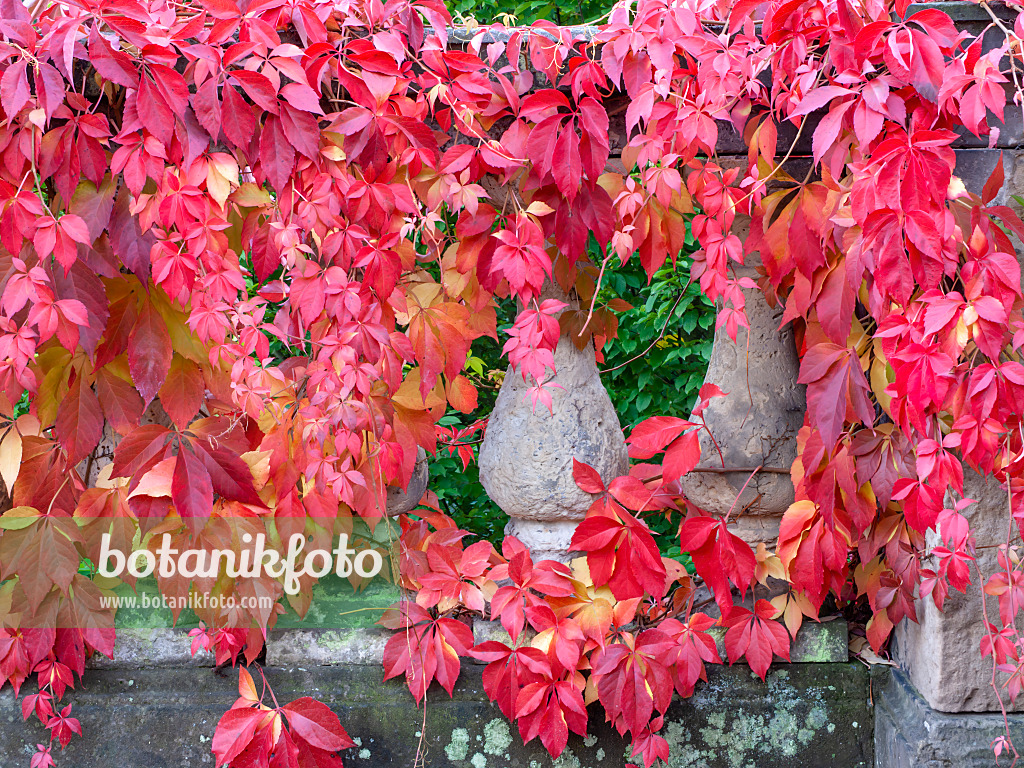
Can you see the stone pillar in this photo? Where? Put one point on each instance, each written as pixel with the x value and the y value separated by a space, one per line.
pixel 756 423
pixel 401 501
pixel 526 456
pixel 941 654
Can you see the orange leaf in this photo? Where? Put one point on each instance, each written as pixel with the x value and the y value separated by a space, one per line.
pixel 461 394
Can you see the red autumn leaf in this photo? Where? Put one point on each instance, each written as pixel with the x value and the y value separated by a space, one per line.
pixel 191 489
pixel 648 745
pixel 121 403
pixel 663 433
pixel 461 394
pixel 718 555
pixel 568 170
pixel 621 552
pixel 234 732
pixel 316 724
pixel 693 647
pixel 288 754
pixel 632 493
pixel 79 424
pixel 14 88
pixel 277 155
pixel 257 87
pixel 632 679
pixel 230 476
pixel 63 725
pixel 42 758
pixel 115 66
pixel 550 709
pixel 153 111
pixel 834 378
pixel 756 636
pixel 183 391
pixel 40 703
pixel 652 436
pixel 511 601
pixel 149 352
pixel 237 119
pixel 426 649
pixel 586 477
pixel 140 450
pixel 508 670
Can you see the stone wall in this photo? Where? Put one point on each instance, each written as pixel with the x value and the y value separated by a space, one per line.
pixel 158 710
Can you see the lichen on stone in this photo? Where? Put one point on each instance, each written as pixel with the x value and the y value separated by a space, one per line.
pixel 458 747
pixel 743 737
pixel 566 760
pixel 497 737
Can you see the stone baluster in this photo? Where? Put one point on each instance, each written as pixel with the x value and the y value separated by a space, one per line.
pixel 526 456
pixel 405 500
pixel 755 424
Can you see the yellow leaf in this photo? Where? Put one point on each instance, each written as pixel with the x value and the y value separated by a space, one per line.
pixel 18 518
pixel 539 208
pixel 248 195
pixel 408 395
pixel 581 571
pixel 53 363
pixel 880 378
pixel 10 458
pixel 768 565
pixel 859 340
pixel 259 464
pixel 793 617
pixel 103 479
pixel 183 341
pixel 221 175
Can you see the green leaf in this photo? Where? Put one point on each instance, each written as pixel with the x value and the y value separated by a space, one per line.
pixel 19 518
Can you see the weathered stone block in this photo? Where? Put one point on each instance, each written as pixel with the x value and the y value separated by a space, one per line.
pixel 910 734
pixel 152 647
pixel 941 654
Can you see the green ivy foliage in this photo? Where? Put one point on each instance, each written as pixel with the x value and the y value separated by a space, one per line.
pixel 512 13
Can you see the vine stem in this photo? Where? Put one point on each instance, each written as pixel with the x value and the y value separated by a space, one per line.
pixel 268 687
pixel 738 495
pixel 593 299
pixel 1012 37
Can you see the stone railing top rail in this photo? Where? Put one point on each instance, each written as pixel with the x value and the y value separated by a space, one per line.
pixel 967 15
pixel 305 648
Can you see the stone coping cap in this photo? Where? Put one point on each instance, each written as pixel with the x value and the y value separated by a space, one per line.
pixel 167 648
